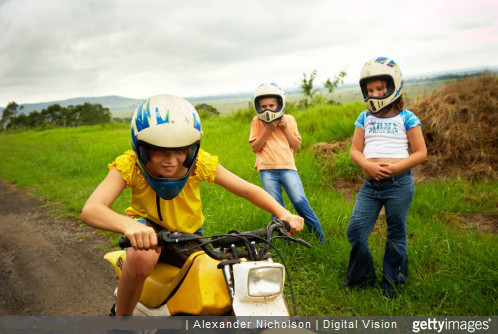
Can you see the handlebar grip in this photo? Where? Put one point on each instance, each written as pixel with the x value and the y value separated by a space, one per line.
pixel 226 241
pixel 124 243
pixel 286 225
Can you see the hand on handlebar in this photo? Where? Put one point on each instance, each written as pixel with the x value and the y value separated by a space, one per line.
pixel 296 223
pixel 142 237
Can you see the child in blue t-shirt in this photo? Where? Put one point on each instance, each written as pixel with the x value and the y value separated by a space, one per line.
pixel 381 141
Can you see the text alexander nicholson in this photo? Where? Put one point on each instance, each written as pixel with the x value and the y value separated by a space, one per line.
pixel 206 324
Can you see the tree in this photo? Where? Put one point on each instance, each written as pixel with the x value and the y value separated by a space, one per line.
pixel 53 115
pixel 36 119
pixel 19 121
pixel 90 114
pixel 8 113
pixel 71 116
pixel 307 88
pixel 332 85
pixel 205 110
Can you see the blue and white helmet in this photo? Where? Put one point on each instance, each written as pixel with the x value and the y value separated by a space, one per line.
pixel 165 122
pixel 269 90
pixel 381 68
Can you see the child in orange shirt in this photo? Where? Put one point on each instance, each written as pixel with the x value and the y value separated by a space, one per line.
pixel 274 137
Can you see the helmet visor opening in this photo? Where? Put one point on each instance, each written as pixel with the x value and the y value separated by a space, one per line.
pixel 166 187
pixel 160 148
pixel 144 155
pixel 369 83
pixel 260 110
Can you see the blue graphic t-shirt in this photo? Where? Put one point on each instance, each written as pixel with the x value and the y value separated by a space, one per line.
pixel 385 137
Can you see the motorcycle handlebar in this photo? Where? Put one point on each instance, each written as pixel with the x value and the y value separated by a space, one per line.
pixel 240 239
pixel 223 241
pixel 124 242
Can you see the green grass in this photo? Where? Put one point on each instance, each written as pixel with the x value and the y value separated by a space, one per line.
pixel 452 271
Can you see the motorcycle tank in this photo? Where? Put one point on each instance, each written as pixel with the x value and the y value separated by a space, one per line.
pixel 203 290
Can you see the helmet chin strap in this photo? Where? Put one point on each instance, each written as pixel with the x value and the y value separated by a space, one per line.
pixel 158 205
pixel 384 110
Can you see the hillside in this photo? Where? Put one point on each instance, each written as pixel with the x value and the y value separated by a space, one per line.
pixel 115 103
pixel 123 107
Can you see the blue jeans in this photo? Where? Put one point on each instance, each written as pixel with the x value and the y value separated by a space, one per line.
pixel 396 195
pixel 274 179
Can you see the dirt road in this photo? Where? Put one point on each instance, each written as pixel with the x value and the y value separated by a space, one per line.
pixel 50 267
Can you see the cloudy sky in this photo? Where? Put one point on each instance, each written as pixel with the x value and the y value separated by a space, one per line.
pixel 57 49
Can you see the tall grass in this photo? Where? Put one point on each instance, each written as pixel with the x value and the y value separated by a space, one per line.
pixel 452 271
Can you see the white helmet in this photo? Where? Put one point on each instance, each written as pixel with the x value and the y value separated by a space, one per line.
pixel 167 122
pixel 381 68
pixel 269 90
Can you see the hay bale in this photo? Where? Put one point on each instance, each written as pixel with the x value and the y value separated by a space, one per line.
pixel 460 124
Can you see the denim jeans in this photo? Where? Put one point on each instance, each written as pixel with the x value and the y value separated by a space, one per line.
pixel 274 179
pixel 396 195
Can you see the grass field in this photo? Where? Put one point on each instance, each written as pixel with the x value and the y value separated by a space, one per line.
pixel 453 271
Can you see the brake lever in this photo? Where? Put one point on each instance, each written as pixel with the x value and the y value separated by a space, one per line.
pixel 282 231
pixel 300 241
pixel 282 224
pixel 286 235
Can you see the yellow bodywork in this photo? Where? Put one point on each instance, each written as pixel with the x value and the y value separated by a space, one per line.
pixel 202 292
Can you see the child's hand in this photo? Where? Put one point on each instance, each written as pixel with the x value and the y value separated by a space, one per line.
pixel 283 122
pixel 142 237
pixel 392 168
pixel 378 170
pixel 272 126
pixel 296 223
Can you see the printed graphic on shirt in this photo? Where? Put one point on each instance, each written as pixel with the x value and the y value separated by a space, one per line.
pixel 374 126
pixel 408 119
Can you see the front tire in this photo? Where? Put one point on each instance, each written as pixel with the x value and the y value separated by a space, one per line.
pixel 113 311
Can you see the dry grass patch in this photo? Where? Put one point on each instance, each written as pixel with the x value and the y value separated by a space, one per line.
pixel 481 223
pixel 325 150
pixel 459 122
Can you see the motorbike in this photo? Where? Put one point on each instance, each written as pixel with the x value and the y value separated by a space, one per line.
pixel 229 274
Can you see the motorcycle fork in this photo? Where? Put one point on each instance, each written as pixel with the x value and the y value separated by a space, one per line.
pixel 229 280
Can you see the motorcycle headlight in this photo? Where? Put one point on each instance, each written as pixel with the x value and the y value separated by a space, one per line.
pixel 265 281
